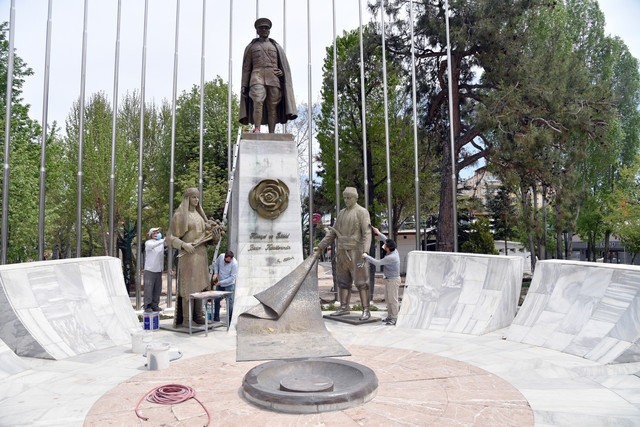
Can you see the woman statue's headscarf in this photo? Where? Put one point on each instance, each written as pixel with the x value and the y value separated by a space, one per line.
pixel 182 214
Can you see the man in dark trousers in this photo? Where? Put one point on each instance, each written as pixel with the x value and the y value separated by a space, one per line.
pixel 153 266
pixel 225 270
pixel 391 263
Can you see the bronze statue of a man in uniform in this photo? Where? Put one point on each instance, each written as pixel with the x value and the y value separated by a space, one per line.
pixel 267 89
pixel 352 233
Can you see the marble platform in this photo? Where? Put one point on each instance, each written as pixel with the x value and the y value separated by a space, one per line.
pixel 460 292
pixel 562 390
pixel 10 363
pixel 266 249
pixel 62 308
pixel 590 310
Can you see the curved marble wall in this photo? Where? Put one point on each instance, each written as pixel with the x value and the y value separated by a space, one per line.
pixel 586 309
pixel 62 308
pixel 460 292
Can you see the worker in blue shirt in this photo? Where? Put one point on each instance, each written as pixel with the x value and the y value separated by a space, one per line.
pixel 225 270
pixel 391 263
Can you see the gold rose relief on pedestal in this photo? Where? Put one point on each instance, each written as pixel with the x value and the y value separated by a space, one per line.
pixel 269 198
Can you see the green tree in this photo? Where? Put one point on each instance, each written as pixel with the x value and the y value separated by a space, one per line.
pixel 484 35
pixel 480 239
pixel 553 112
pixel 351 154
pixel 624 209
pixel 155 161
pixel 96 164
pixel 187 147
pixel 504 215
pixel 24 160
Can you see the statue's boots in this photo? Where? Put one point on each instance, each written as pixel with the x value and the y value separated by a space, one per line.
pixel 257 115
pixel 198 313
pixel 179 314
pixel 364 298
pixel 345 296
pixel 272 117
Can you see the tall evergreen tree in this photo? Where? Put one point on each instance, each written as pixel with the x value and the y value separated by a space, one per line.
pixel 485 35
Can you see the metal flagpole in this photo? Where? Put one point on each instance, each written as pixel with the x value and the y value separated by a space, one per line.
pixel 83 78
pixel 7 135
pixel 310 131
pixel 386 118
pixel 284 41
pixel 229 91
pixel 335 109
pixel 415 130
pixel 114 122
pixel 454 182
pixel 140 150
pixel 365 153
pixel 202 63
pixel 43 155
pixel 364 114
pixel 173 137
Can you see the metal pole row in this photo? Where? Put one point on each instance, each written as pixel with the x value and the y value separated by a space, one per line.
pixel 81 118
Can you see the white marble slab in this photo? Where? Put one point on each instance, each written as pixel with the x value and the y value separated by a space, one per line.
pixel 10 363
pixel 62 308
pixel 266 249
pixel 586 309
pixel 459 292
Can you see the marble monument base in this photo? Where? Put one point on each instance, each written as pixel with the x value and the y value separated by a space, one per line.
pixel 266 240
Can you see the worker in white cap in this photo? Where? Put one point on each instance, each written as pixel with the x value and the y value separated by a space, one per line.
pixel 153 266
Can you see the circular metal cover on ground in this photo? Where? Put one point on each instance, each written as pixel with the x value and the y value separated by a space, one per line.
pixel 287 385
pixel 306 383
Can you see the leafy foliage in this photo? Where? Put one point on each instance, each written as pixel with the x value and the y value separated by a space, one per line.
pixel 480 238
pixel 24 160
pixel 351 151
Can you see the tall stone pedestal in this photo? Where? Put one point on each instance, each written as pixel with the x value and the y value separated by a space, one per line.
pixel 267 248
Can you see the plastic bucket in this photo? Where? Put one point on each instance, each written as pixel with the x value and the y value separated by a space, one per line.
pixel 140 340
pixel 158 356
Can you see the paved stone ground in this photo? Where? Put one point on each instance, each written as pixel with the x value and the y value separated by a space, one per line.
pixel 415 389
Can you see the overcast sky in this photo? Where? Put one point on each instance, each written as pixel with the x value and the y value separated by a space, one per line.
pixel 67 29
